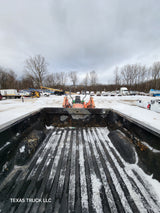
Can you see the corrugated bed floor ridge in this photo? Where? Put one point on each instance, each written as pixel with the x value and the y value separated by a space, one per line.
pixel 78 170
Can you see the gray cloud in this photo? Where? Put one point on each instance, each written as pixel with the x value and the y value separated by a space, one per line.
pixel 80 35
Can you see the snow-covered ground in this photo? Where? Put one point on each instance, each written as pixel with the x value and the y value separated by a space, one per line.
pixel 13 109
pixel 154 104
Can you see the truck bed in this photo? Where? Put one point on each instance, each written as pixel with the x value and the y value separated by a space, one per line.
pixel 77 170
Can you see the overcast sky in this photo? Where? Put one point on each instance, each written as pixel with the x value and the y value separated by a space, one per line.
pixel 80 35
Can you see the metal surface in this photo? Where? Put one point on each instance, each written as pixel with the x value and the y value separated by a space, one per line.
pixel 77 170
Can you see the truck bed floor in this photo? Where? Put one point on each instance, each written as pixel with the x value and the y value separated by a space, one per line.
pixel 77 170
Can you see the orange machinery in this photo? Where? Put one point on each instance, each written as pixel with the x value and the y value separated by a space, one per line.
pixel 78 103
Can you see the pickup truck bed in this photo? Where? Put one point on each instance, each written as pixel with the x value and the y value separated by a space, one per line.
pixel 77 169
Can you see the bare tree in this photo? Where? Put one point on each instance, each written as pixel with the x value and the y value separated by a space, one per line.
pixel 73 77
pixel 155 70
pixel 36 67
pixel 11 79
pixel 60 79
pixel 117 77
pixel 27 82
pixel 7 79
pixel 50 80
pixel 3 78
pixel 63 78
pixel 143 73
pixel 86 80
pixel 93 78
pixel 134 74
pixel 125 73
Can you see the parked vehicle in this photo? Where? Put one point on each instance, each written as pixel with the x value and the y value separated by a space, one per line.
pixel 132 93
pixel 154 92
pixel 103 93
pixel 1 96
pixel 113 93
pixel 98 93
pixel 9 93
pixel 87 92
pixel 35 94
pixel 24 93
pixel 124 91
pixel 155 105
pixel 44 93
pixel 107 93
pixel 92 93
pixel 59 92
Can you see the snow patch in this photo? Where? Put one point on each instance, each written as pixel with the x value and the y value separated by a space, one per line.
pixel 150 147
pixel 96 187
pixel 49 127
pixel 84 200
pixel 6 144
pixel 22 149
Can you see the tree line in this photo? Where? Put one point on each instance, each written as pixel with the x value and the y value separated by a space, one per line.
pixel 36 74
pixel 138 77
pixel 134 76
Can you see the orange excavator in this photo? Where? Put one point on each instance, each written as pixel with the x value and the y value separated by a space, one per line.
pixel 78 103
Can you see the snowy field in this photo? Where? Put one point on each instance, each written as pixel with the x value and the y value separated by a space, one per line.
pixel 13 109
